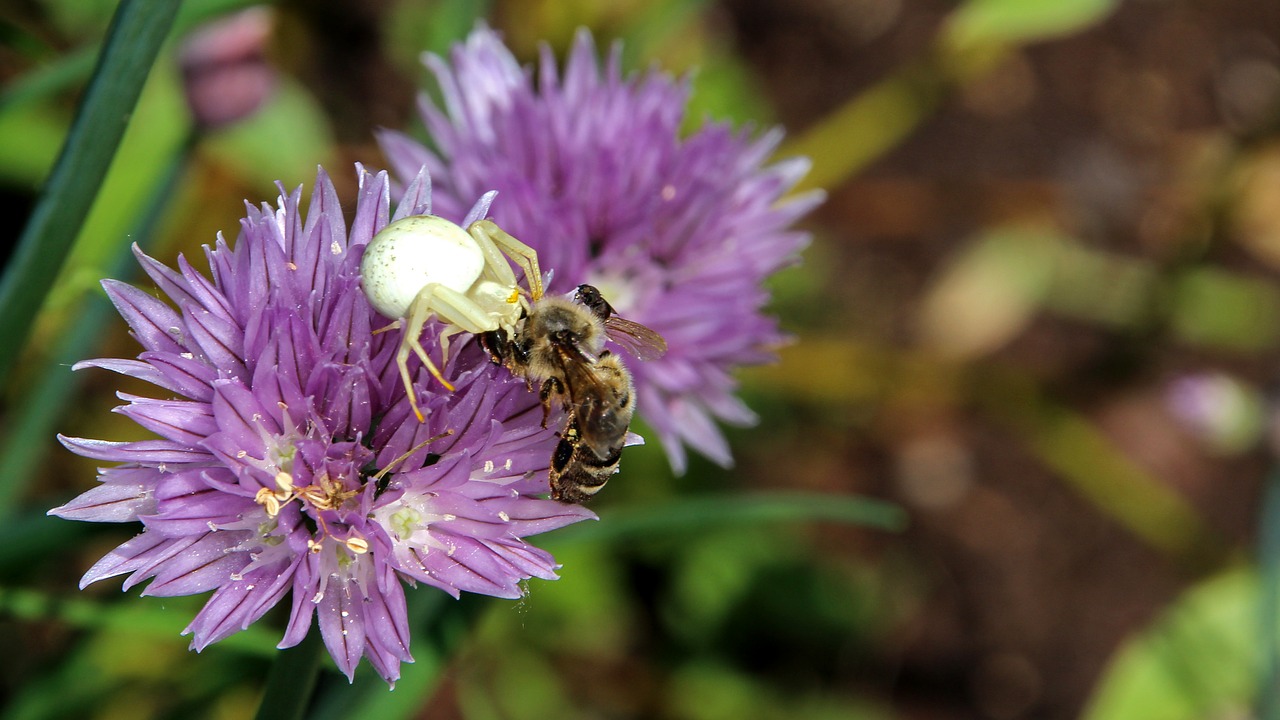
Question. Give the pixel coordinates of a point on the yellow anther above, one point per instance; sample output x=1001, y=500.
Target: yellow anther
x=267, y=500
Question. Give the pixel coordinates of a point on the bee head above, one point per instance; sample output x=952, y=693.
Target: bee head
x=569, y=328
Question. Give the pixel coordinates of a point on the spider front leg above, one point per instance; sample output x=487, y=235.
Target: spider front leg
x=494, y=242
x=460, y=313
x=419, y=310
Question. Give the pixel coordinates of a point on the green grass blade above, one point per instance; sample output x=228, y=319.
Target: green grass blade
x=36, y=413
x=1269, y=600
x=48, y=79
x=133, y=41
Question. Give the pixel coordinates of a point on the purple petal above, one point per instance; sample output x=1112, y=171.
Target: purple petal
x=236, y=605
x=185, y=423
x=109, y=502
x=205, y=565
x=154, y=324
x=128, y=557
x=154, y=452
x=219, y=340
x=341, y=619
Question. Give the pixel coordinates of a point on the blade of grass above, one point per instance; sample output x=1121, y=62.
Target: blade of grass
x=48, y=79
x=1088, y=461
x=31, y=434
x=867, y=126
x=133, y=42
x=1269, y=600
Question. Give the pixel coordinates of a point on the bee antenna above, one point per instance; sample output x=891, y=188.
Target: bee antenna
x=410, y=451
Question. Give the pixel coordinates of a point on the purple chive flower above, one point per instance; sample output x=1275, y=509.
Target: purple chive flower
x=288, y=464
x=678, y=233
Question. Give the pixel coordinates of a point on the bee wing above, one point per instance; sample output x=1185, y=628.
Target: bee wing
x=582, y=382
x=635, y=338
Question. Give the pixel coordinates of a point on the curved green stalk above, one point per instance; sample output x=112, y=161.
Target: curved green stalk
x=133, y=41
x=293, y=679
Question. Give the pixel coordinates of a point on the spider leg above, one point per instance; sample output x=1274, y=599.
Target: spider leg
x=457, y=311
x=419, y=310
x=391, y=326
x=448, y=332
x=494, y=242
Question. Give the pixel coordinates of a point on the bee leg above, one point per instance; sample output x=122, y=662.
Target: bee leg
x=544, y=394
x=550, y=386
x=493, y=345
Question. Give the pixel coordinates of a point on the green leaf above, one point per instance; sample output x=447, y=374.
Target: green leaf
x=1196, y=661
x=1217, y=308
x=1014, y=22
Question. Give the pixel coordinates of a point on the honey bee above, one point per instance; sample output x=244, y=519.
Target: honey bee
x=560, y=344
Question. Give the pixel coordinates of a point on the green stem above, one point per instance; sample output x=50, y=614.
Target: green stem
x=868, y=126
x=133, y=42
x=292, y=679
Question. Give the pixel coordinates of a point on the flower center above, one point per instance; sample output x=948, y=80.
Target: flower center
x=326, y=493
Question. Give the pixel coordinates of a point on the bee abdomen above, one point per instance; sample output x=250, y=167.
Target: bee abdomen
x=577, y=473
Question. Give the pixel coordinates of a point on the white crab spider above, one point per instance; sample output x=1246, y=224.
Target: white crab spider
x=424, y=265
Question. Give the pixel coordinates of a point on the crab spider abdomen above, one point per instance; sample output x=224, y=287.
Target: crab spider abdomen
x=413, y=252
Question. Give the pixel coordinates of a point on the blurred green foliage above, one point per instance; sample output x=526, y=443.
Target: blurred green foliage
x=1197, y=660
